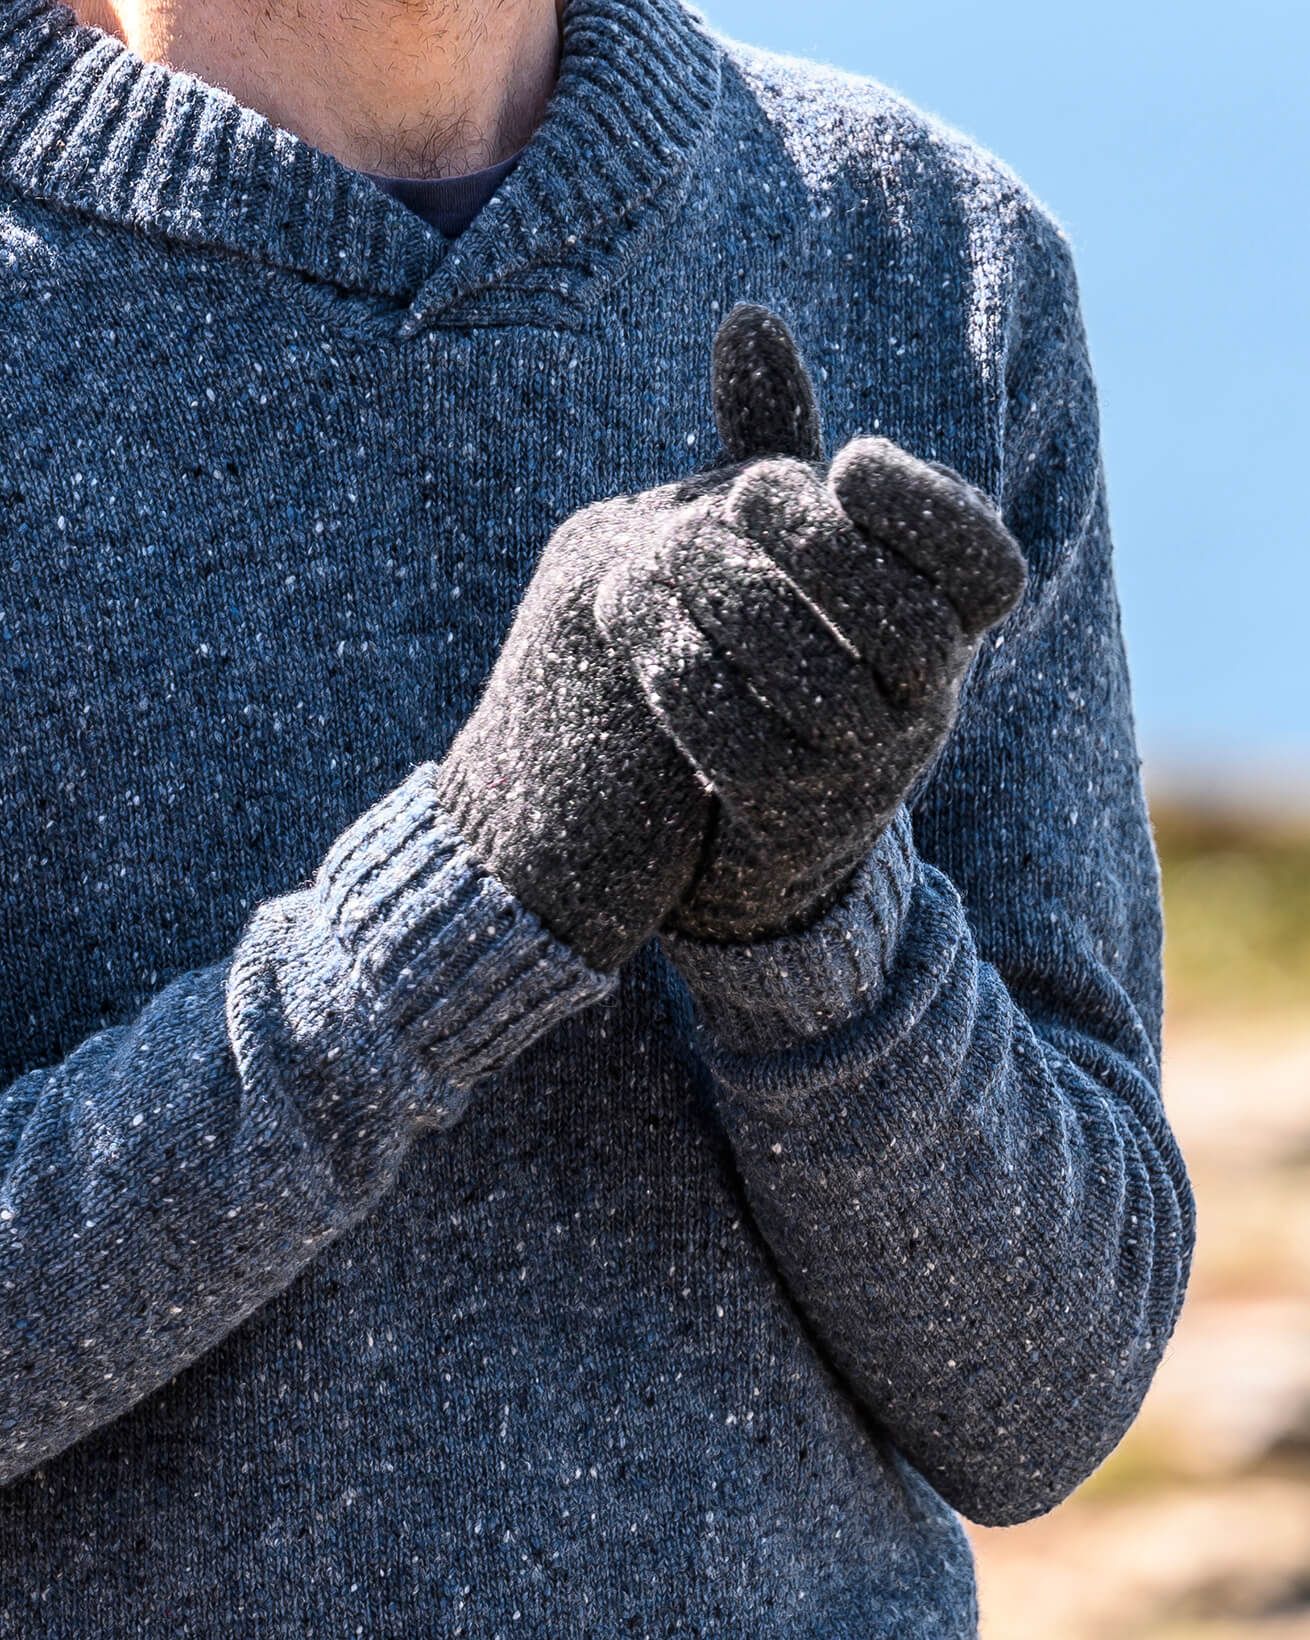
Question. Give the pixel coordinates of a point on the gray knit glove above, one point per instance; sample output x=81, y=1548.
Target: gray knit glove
x=562, y=781
x=803, y=638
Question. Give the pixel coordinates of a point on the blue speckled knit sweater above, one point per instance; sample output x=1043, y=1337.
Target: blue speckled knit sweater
x=368, y=1265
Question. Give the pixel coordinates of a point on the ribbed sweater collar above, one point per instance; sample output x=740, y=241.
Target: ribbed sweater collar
x=87, y=124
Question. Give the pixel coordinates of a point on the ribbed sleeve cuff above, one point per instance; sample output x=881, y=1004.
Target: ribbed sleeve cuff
x=444, y=950
x=769, y=994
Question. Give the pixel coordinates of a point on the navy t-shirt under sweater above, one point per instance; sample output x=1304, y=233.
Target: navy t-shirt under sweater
x=368, y=1264
x=447, y=204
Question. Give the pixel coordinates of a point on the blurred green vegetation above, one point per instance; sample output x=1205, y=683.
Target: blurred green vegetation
x=1237, y=909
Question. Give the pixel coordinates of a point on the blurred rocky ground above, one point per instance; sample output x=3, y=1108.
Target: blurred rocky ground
x=1198, y=1527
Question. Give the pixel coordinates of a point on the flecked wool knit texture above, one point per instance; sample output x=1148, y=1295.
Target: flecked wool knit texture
x=370, y=1264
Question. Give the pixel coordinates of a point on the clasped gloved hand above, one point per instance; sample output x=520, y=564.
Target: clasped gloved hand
x=802, y=636
x=716, y=693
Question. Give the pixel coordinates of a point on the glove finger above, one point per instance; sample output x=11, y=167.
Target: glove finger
x=776, y=637
x=741, y=742
x=764, y=401
x=946, y=529
x=900, y=624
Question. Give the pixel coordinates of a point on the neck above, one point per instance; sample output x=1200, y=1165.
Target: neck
x=408, y=87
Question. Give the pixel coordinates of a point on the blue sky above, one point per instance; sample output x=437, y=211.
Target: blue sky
x=1173, y=142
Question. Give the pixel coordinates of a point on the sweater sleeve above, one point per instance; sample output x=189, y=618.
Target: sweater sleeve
x=174, y=1173
x=944, y=1097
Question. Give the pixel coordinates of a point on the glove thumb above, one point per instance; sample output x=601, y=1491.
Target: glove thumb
x=764, y=401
